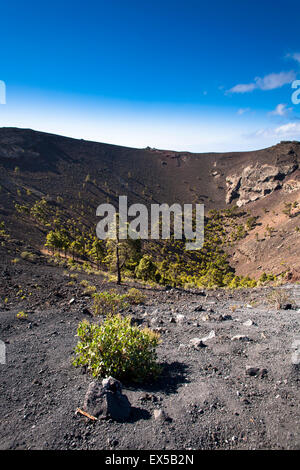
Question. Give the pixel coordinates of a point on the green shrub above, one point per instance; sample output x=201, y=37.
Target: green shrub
x=146, y=269
x=108, y=302
x=118, y=349
x=89, y=289
x=278, y=297
x=28, y=256
x=22, y=315
x=266, y=278
x=135, y=296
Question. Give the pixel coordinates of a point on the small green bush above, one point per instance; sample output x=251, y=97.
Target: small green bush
x=89, y=289
x=278, y=297
x=108, y=302
x=28, y=256
x=22, y=315
x=118, y=349
x=135, y=296
x=146, y=269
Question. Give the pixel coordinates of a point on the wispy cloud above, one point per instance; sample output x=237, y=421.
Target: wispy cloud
x=243, y=88
x=280, y=110
x=291, y=130
x=243, y=111
x=269, y=82
x=295, y=56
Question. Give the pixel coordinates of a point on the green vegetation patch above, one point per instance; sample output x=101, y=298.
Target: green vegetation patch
x=118, y=349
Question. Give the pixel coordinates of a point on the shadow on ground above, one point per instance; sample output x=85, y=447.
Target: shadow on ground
x=172, y=376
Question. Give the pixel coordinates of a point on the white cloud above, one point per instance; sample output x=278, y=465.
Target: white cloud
x=275, y=80
x=289, y=131
x=243, y=88
x=295, y=56
x=280, y=110
x=269, y=82
x=243, y=111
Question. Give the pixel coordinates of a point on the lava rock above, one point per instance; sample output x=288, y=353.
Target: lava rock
x=197, y=343
x=287, y=306
x=106, y=401
x=241, y=338
x=199, y=308
x=252, y=371
x=86, y=311
x=225, y=317
x=256, y=371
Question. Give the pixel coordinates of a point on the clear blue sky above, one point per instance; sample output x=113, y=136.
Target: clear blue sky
x=187, y=74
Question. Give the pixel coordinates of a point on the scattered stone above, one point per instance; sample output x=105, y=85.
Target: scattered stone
x=240, y=338
x=106, y=401
x=71, y=301
x=134, y=321
x=160, y=415
x=263, y=373
x=86, y=311
x=249, y=306
x=211, y=335
x=296, y=357
x=199, y=308
x=296, y=343
x=287, y=306
x=205, y=317
x=252, y=371
x=225, y=317
x=246, y=401
x=148, y=397
x=197, y=343
x=180, y=318
x=256, y=371
x=248, y=323
x=202, y=292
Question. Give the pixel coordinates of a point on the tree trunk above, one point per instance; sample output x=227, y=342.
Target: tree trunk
x=118, y=265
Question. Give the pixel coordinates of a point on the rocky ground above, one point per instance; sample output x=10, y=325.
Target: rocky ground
x=228, y=379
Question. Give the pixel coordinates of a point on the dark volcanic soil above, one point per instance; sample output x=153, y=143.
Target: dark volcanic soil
x=211, y=402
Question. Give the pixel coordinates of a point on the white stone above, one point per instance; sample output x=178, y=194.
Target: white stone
x=211, y=335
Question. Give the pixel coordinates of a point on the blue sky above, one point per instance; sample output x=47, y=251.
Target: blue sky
x=183, y=75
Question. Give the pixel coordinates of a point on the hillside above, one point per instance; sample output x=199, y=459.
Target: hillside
x=75, y=176
x=228, y=358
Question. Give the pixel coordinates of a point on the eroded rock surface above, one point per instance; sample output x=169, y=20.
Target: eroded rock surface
x=256, y=181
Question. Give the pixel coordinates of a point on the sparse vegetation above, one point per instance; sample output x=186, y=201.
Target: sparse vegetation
x=22, y=315
x=109, y=302
x=118, y=349
x=26, y=255
x=135, y=296
x=278, y=298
